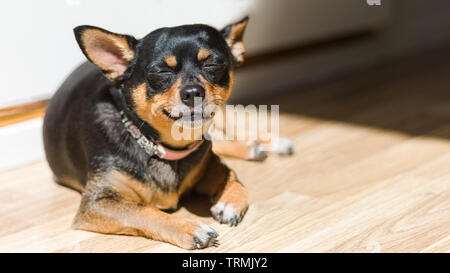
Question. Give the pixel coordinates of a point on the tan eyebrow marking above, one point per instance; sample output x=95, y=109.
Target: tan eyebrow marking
x=171, y=61
x=203, y=53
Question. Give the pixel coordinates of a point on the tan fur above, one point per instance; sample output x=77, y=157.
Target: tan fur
x=234, y=41
x=202, y=54
x=93, y=38
x=171, y=61
x=237, y=30
x=238, y=49
x=217, y=94
x=194, y=175
x=136, y=191
x=150, y=110
x=234, y=193
x=221, y=183
x=130, y=218
x=237, y=149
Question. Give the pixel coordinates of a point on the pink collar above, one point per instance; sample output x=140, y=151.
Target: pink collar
x=153, y=147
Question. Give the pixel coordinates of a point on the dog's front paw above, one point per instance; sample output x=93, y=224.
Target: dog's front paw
x=197, y=235
x=228, y=213
x=205, y=236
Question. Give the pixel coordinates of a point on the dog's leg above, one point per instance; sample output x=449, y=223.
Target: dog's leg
x=251, y=146
x=253, y=150
x=105, y=210
x=243, y=149
x=247, y=150
x=229, y=197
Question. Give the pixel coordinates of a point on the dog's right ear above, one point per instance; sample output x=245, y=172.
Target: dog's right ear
x=111, y=52
x=233, y=34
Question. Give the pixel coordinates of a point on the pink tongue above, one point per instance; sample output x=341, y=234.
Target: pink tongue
x=176, y=155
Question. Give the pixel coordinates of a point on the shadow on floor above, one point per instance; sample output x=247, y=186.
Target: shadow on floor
x=197, y=204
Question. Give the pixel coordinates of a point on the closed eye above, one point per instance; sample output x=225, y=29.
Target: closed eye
x=211, y=65
x=165, y=71
x=161, y=70
x=212, y=62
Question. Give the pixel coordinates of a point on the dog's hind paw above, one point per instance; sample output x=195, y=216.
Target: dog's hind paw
x=282, y=146
x=257, y=152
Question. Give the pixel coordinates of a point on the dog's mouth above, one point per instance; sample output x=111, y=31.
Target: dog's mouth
x=189, y=116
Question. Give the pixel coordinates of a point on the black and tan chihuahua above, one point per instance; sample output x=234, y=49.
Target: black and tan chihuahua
x=108, y=131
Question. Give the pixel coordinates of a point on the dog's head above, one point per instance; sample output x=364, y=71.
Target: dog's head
x=172, y=76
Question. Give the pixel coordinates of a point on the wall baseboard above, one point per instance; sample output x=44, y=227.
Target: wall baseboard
x=21, y=143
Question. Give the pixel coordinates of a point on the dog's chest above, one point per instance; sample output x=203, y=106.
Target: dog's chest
x=165, y=181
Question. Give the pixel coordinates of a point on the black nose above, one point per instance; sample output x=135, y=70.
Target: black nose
x=189, y=92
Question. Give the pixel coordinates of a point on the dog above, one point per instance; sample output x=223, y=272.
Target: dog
x=108, y=131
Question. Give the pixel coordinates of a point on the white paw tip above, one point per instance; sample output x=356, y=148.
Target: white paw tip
x=229, y=213
x=217, y=208
x=257, y=152
x=205, y=236
x=282, y=146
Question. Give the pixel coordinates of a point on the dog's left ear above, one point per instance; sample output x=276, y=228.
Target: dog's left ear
x=233, y=35
x=110, y=52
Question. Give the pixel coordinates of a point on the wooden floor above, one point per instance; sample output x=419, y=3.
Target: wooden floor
x=371, y=173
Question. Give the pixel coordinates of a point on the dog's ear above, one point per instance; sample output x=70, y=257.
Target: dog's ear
x=233, y=35
x=111, y=52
